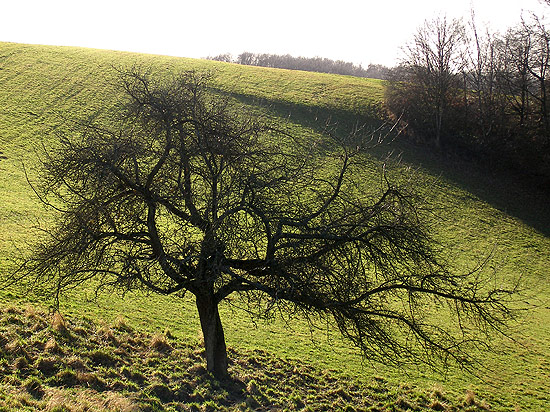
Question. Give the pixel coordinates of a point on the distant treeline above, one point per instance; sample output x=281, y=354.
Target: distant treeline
x=311, y=64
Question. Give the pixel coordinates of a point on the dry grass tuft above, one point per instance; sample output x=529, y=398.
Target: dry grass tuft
x=22, y=401
x=107, y=334
x=89, y=379
x=88, y=400
x=438, y=393
x=401, y=402
x=200, y=339
x=32, y=313
x=76, y=363
x=58, y=401
x=34, y=388
x=48, y=366
x=252, y=387
x=160, y=343
x=12, y=310
x=437, y=405
x=14, y=347
x=470, y=398
x=21, y=363
x=120, y=324
x=197, y=369
x=80, y=331
x=117, y=402
x=52, y=346
x=58, y=323
x=168, y=334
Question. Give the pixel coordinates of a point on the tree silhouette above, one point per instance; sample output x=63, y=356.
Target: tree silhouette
x=429, y=78
x=185, y=190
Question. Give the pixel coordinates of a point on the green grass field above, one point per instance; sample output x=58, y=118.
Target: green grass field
x=480, y=213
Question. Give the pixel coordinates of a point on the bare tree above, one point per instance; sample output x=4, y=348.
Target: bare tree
x=186, y=191
x=247, y=58
x=524, y=77
x=377, y=71
x=482, y=70
x=431, y=68
x=224, y=57
x=514, y=79
x=539, y=69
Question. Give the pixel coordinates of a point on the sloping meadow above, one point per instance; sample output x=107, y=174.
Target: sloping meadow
x=54, y=363
x=43, y=88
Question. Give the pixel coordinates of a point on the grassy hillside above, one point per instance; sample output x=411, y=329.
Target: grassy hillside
x=481, y=213
x=51, y=363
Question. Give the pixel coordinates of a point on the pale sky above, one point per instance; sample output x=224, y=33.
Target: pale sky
x=362, y=32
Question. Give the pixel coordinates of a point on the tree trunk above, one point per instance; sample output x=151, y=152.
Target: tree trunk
x=214, y=340
x=438, y=126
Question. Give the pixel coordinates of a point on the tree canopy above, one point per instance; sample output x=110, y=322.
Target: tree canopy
x=183, y=189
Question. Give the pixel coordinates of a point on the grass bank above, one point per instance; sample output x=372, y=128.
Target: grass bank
x=479, y=214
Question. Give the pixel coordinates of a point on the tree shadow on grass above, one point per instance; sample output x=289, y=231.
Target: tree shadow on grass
x=522, y=197
x=526, y=198
x=318, y=117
